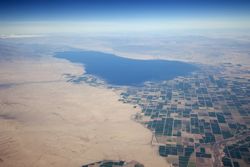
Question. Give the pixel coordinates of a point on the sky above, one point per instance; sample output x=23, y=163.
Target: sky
x=51, y=16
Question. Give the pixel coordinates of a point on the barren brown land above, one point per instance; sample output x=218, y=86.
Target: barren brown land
x=46, y=121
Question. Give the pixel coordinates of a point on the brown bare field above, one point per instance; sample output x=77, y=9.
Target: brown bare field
x=46, y=121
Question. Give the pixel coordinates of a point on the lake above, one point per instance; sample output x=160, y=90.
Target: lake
x=122, y=71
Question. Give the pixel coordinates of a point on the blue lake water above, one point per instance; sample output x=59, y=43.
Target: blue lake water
x=117, y=70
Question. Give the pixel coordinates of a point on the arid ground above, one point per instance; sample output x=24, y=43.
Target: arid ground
x=46, y=121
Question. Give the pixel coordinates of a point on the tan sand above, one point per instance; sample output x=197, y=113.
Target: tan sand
x=45, y=121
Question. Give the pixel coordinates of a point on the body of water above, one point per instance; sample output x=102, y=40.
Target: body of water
x=117, y=70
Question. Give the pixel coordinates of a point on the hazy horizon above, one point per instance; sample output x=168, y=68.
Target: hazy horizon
x=53, y=17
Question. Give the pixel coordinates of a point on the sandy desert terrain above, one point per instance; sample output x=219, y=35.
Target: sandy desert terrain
x=46, y=121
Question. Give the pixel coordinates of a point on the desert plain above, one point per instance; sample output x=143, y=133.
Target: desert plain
x=47, y=121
